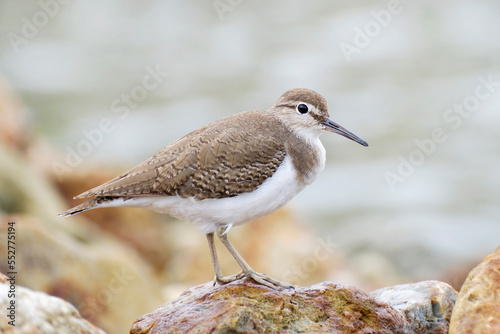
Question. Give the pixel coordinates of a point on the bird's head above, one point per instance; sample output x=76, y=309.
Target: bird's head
x=306, y=113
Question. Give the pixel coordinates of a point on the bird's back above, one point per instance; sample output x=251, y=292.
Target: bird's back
x=222, y=159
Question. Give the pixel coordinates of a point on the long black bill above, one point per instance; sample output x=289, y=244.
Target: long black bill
x=334, y=127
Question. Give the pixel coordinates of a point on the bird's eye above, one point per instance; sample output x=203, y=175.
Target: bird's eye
x=302, y=108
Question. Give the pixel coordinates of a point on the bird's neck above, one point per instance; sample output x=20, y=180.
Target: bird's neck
x=308, y=156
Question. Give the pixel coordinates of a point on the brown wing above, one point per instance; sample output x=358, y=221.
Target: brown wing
x=222, y=159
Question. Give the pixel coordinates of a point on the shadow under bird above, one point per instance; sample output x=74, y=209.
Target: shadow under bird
x=230, y=172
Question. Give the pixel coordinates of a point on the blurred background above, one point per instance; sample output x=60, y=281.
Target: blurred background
x=88, y=91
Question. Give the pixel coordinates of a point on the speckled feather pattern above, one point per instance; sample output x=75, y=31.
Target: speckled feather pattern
x=215, y=161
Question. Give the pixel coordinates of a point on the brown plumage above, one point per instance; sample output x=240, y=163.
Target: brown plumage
x=225, y=158
x=215, y=161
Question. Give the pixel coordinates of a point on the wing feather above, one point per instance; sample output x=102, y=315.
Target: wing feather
x=215, y=161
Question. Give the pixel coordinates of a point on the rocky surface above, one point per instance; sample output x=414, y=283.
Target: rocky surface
x=245, y=307
x=426, y=305
x=99, y=277
x=37, y=313
x=478, y=304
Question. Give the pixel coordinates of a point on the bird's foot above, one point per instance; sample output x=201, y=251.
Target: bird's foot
x=257, y=277
x=221, y=280
x=268, y=281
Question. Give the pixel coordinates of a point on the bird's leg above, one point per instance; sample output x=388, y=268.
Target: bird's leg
x=247, y=271
x=219, y=278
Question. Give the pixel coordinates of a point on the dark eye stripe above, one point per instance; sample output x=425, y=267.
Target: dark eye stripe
x=319, y=118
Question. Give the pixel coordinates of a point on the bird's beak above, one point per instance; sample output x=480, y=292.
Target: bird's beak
x=334, y=127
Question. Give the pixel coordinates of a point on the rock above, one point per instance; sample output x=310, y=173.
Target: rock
x=3, y=278
x=246, y=307
x=98, y=276
x=37, y=312
x=478, y=304
x=426, y=305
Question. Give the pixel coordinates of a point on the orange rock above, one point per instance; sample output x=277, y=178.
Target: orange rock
x=246, y=307
x=478, y=305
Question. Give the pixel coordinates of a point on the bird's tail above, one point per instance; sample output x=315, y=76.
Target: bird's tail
x=93, y=203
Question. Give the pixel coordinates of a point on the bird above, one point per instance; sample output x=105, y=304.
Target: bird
x=230, y=172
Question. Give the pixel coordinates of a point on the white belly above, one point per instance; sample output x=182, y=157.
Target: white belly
x=274, y=193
